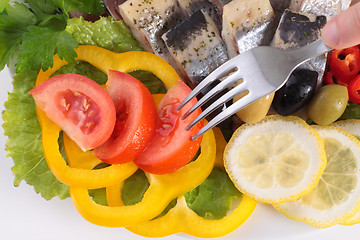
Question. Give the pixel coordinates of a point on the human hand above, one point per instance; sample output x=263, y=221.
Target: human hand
x=343, y=30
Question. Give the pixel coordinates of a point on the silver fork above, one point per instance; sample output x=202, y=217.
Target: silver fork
x=257, y=72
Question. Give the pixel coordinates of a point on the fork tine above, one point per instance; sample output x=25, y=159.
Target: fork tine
x=215, y=75
x=218, y=88
x=232, y=109
x=223, y=99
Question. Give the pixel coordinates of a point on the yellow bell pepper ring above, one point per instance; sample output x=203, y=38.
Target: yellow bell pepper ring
x=182, y=219
x=162, y=190
x=104, y=60
x=72, y=176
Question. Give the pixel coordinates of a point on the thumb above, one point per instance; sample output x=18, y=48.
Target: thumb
x=343, y=30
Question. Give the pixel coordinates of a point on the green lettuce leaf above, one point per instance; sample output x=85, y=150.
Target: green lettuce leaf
x=352, y=111
x=134, y=188
x=107, y=33
x=24, y=143
x=213, y=198
x=21, y=125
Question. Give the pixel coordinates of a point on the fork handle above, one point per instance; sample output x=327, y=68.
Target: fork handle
x=309, y=51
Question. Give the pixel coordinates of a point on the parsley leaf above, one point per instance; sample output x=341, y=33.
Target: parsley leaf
x=21, y=13
x=92, y=6
x=11, y=32
x=67, y=5
x=39, y=46
x=3, y=4
x=34, y=30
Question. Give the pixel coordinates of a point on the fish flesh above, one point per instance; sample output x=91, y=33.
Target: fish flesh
x=247, y=24
x=149, y=20
x=320, y=7
x=192, y=6
x=296, y=29
x=279, y=7
x=196, y=46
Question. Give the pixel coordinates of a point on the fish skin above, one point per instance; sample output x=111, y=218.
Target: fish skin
x=196, y=46
x=320, y=7
x=247, y=24
x=298, y=29
x=148, y=20
x=191, y=6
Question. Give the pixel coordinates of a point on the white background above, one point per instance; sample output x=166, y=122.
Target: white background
x=26, y=215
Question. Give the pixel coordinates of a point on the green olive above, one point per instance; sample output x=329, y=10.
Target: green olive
x=328, y=104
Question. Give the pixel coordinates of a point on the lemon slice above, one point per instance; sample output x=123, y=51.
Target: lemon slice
x=276, y=160
x=352, y=126
x=336, y=197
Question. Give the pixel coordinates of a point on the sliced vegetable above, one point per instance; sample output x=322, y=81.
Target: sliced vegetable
x=354, y=90
x=105, y=60
x=24, y=143
x=162, y=190
x=171, y=148
x=124, y=62
x=135, y=119
x=81, y=107
x=330, y=78
x=345, y=63
x=73, y=175
x=182, y=219
x=212, y=199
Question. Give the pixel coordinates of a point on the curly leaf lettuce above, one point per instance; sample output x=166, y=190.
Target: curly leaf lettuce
x=24, y=143
x=21, y=126
x=107, y=33
x=213, y=198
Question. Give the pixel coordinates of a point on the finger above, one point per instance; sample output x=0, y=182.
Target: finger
x=343, y=30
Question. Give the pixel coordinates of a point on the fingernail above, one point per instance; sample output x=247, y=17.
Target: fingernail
x=330, y=34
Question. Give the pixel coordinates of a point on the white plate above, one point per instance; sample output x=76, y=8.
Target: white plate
x=26, y=215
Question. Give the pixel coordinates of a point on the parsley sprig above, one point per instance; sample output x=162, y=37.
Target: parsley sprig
x=34, y=30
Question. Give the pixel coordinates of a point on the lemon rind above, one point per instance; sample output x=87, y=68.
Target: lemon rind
x=306, y=187
x=288, y=210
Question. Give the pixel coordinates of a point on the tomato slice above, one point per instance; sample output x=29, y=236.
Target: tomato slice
x=136, y=116
x=171, y=147
x=79, y=106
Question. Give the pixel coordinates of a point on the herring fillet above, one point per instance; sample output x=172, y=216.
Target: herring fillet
x=196, y=46
x=192, y=6
x=320, y=7
x=148, y=20
x=247, y=24
x=296, y=29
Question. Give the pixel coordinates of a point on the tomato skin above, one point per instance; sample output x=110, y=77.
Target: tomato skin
x=345, y=63
x=79, y=106
x=136, y=119
x=171, y=147
x=354, y=90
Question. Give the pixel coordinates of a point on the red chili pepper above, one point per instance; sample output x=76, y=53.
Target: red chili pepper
x=345, y=63
x=330, y=78
x=354, y=90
